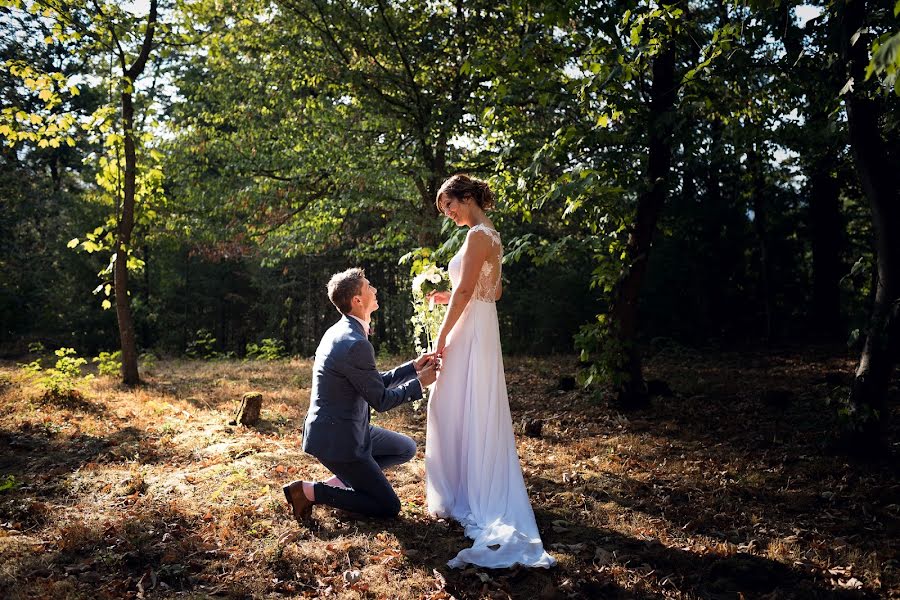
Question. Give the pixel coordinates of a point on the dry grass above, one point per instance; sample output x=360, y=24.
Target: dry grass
x=711, y=493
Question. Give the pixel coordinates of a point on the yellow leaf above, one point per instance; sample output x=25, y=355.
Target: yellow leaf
x=72, y=243
x=106, y=305
x=73, y=90
x=43, y=144
x=70, y=142
x=35, y=119
x=45, y=95
x=48, y=40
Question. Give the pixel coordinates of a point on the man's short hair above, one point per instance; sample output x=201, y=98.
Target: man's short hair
x=343, y=286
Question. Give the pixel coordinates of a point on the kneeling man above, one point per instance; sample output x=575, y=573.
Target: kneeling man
x=337, y=430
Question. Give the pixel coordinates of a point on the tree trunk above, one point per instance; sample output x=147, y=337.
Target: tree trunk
x=125, y=227
x=436, y=160
x=868, y=411
x=624, y=313
x=123, y=242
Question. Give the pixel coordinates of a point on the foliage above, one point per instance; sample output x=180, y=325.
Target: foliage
x=148, y=361
x=886, y=60
x=268, y=349
x=109, y=363
x=61, y=382
x=7, y=483
x=602, y=355
x=886, y=57
x=203, y=345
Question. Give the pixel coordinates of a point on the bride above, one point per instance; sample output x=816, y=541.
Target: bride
x=472, y=469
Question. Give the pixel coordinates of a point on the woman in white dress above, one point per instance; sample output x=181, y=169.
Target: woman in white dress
x=472, y=469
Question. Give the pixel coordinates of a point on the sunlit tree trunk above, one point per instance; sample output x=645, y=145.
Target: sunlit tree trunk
x=122, y=247
x=125, y=227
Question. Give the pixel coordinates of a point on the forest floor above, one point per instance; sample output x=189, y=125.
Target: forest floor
x=724, y=490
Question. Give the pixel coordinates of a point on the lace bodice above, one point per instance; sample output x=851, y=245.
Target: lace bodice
x=488, y=283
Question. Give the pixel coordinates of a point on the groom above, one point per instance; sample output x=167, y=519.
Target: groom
x=337, y=431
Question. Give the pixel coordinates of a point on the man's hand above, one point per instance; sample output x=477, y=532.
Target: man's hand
x=428, y=374
x=424, y=360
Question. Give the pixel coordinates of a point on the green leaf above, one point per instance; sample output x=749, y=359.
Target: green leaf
x=8, y=483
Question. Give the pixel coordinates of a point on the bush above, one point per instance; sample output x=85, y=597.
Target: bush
x=268, y=349
x=203, y=345
x=148, y=361
x=61, y=381
x=109, y=363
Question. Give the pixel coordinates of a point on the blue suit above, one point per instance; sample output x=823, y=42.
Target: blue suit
x=337, y=429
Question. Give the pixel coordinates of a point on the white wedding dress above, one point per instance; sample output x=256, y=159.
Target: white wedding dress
x=472, y=469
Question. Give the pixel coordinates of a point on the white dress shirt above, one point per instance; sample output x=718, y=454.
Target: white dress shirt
x=363, y=323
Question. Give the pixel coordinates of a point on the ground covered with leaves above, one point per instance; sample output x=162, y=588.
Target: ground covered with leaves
x=724, y=489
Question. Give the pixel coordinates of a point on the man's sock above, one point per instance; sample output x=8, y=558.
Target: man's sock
x=309, y=490
x=335, y=481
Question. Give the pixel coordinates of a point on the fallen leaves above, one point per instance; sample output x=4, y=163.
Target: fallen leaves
x=648, y=504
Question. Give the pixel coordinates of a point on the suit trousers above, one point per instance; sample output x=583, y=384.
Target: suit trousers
x=371, y=493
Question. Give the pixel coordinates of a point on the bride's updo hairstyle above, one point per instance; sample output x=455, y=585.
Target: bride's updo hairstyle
x=460, y=186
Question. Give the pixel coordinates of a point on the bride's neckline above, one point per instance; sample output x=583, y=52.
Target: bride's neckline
x=482, y=226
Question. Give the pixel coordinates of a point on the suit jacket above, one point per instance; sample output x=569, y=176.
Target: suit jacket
x=345, y=384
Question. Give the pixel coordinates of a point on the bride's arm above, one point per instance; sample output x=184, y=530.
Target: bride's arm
x=478, y=245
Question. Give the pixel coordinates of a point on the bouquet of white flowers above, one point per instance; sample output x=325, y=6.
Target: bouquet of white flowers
x=428, y=316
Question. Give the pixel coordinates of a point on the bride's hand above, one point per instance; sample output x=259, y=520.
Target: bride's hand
x=438, y=297
x=440, y=345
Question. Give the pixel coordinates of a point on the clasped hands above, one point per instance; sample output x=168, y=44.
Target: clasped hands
x=427, y=367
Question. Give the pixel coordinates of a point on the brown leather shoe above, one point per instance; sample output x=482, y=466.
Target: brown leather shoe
x=297, y=500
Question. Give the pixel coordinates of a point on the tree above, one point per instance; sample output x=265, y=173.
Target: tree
x=348, y=115
x=610, y=167
x=129, y=40
x=867, y=403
